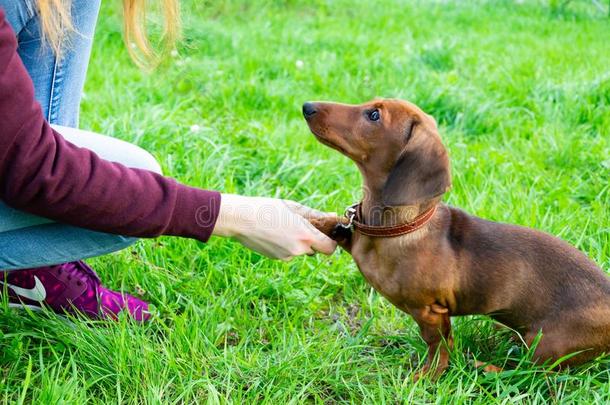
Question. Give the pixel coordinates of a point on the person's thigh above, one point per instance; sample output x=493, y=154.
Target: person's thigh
x=55, y=243
x=58, y=81
x=11, y=219
x=29, y=241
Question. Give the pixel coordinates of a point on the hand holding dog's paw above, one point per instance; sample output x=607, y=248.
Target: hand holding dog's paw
x=270, y=226
x=329, y=223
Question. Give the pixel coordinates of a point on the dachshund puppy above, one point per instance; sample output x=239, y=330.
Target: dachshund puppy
x=434, y=261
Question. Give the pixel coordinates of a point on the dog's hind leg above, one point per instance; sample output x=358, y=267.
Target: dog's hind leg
x=573, y=340
x=488, y=368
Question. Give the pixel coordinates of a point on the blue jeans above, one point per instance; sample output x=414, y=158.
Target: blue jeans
x=58, y=83
x=27, y=240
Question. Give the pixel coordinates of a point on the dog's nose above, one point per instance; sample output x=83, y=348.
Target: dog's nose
x=309, y=109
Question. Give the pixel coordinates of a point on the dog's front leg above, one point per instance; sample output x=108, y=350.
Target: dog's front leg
x=435, y=328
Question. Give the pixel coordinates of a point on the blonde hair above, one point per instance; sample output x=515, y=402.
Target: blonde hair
x=57, y=24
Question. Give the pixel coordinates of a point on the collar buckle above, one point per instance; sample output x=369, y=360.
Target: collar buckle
x=350, y=213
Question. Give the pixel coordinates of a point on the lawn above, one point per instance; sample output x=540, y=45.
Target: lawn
x=521, y=92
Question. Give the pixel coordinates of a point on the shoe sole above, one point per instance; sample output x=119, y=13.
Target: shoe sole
x=22, y=306
x=40, y=309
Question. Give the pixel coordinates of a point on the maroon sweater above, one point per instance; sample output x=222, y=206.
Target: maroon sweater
x=43, y=174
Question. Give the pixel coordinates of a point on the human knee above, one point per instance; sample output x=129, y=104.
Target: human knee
x=112, y=149
x=142, y=159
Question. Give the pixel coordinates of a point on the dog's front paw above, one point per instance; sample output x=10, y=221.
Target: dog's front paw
x=341, y=233
x=334, y=227
x=432, y=373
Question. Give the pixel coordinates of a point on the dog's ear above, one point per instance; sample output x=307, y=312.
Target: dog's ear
x=420, y=173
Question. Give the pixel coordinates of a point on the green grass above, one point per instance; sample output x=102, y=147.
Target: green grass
x=522, y=96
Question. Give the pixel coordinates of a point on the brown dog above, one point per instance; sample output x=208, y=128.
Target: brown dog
x=434, y=261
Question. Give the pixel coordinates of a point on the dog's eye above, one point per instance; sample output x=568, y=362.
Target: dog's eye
x=373, y=115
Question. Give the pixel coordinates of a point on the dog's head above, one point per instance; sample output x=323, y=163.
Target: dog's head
x=394, y=143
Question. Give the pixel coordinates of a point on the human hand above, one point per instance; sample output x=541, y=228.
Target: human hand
x=270, y=226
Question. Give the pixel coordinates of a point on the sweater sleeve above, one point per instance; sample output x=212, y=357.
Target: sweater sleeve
x=43, y=174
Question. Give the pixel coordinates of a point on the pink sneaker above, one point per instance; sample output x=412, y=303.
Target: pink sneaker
x=70, y=287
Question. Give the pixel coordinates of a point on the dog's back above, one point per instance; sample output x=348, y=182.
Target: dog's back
x=533, y=265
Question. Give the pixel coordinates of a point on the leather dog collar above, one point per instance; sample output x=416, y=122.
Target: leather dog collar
x=353, y=215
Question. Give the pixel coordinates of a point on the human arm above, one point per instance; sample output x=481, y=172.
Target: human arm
x=43, y=174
